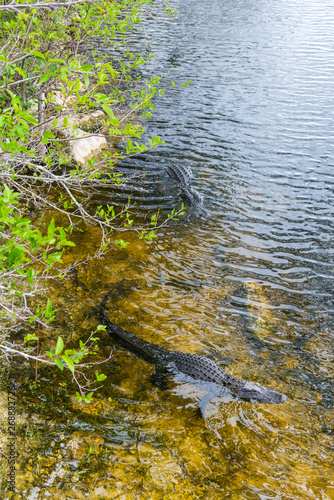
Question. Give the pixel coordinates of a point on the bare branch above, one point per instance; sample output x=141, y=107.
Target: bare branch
x=41, y=5
x=25, y=355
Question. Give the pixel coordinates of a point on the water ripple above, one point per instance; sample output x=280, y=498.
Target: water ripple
x=256, y=128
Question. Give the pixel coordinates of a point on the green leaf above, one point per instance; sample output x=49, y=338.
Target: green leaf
x=30, y=336
x=59, y=363
x=54, y=257
x=88, y=398
x=31, y=119
x=108, y=110
x=87, y=67
x=122, y=243
x=69, y=362
x=48, y=309
x=16, y=254
x=62, y=233
x=56, y=60
x=79, y=398
x=59, y=346
x=21, y=72
x=70, y=352
x=46, y=135
x=51, y=228
x=44, y=78
x=39, y=56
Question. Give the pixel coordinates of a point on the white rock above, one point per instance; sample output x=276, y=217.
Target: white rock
x=86, y=147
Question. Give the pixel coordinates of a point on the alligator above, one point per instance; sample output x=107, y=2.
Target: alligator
x=197, y=367
x=189, y=195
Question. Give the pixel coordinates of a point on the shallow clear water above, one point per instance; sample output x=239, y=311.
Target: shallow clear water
x=252, y=285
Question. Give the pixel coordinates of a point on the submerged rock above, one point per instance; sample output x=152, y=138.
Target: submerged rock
x=81, y=443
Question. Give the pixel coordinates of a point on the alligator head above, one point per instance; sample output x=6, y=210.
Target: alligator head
x=255, y=392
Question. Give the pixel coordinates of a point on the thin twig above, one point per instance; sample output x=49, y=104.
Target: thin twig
x=37, y=351
x=42, y=5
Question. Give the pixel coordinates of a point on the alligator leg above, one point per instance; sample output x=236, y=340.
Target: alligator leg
x=204, y=401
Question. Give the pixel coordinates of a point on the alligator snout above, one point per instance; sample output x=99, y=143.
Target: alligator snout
x=255, y=392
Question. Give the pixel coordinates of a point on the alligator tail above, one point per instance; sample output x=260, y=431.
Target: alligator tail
x=181, y=174
x=145, y=350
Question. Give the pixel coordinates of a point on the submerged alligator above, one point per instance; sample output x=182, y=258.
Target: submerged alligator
x=190, y=196
x=193, y=365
